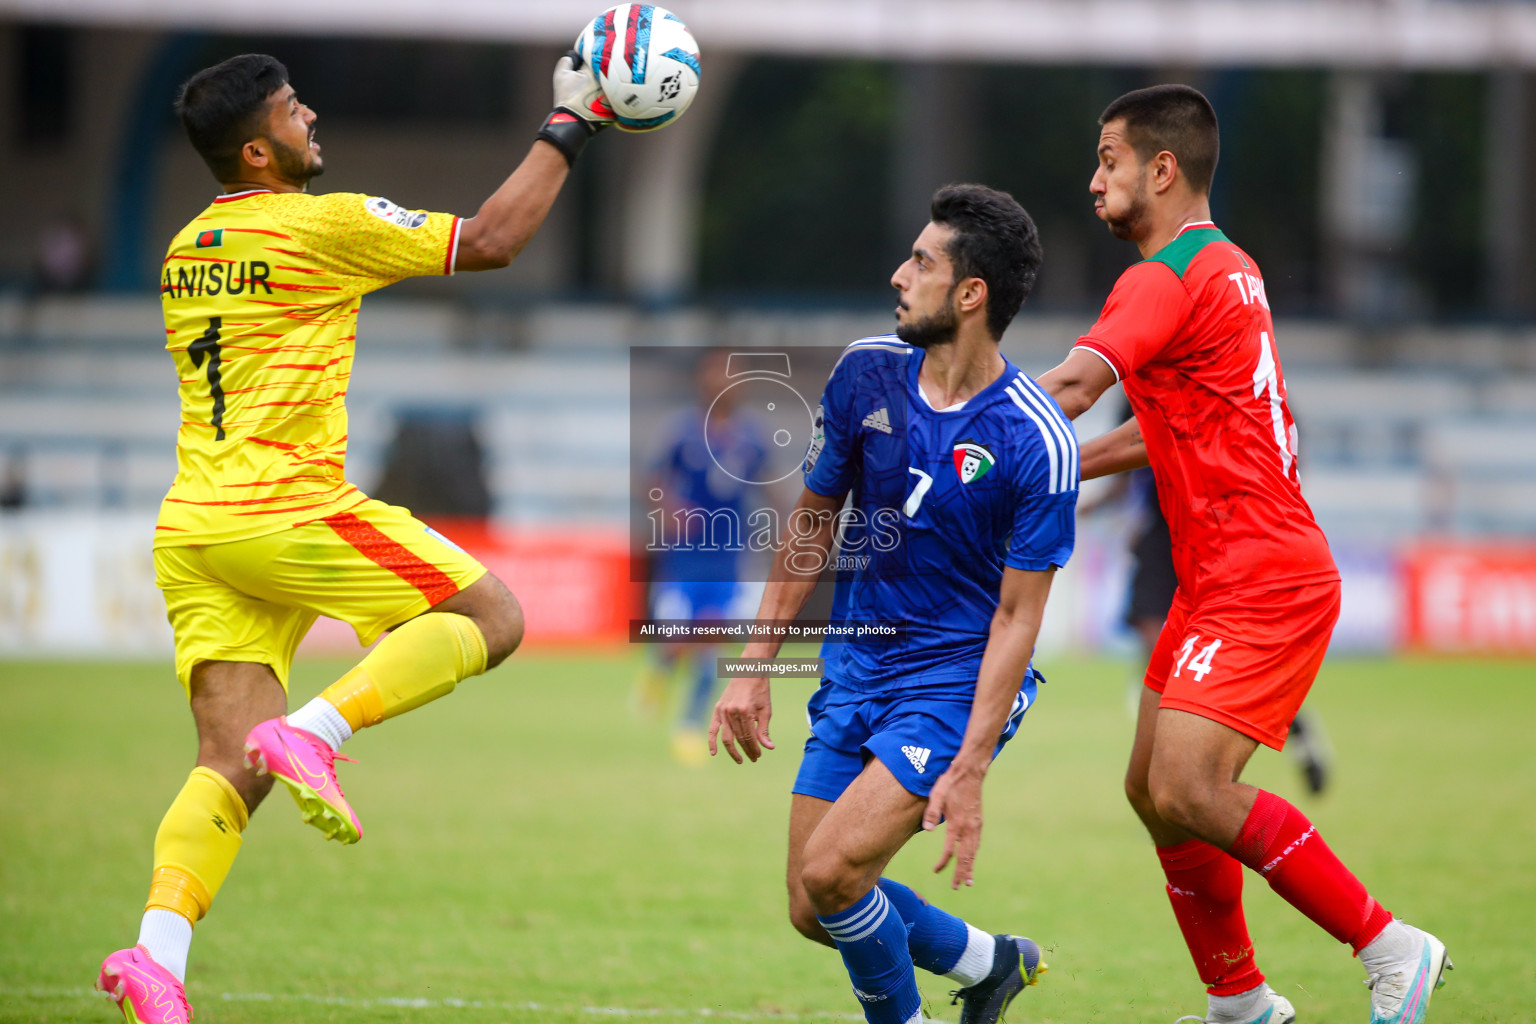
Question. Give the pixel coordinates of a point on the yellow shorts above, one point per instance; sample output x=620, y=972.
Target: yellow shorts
x=373, y=567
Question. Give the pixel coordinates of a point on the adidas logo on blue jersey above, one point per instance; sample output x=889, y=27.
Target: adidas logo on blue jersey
x=879, y=420
x=918, y=756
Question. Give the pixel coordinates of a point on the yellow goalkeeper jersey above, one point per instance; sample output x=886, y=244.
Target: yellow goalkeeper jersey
x=261, y=293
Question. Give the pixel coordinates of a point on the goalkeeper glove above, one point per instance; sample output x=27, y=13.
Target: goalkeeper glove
x=581, y=109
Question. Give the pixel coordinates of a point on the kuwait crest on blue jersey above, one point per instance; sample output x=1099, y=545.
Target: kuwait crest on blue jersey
x=972, y=461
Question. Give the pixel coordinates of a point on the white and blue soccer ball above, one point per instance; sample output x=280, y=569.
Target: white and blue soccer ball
x=647, y=64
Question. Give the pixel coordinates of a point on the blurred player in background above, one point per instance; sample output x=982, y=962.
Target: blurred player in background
x=964, y=482
x=1155, y=582
x=261, y=532
x=1188, y=334
x=713, y=454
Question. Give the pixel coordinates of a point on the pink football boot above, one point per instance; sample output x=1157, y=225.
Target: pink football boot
x=146, y=992
x=306, y=764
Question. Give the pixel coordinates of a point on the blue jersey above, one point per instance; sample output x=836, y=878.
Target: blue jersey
x=943, y=499
x=708, y=477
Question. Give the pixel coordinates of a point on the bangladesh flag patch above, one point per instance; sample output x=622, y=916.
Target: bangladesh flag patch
x=972, y=461
x=211, y=239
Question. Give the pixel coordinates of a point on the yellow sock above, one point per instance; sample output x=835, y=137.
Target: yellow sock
x=196, y=845
x=419, y=662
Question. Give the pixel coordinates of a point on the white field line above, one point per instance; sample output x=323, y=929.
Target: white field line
x=401, y=1002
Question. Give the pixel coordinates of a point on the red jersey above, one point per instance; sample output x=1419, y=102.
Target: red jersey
x=1189, y=335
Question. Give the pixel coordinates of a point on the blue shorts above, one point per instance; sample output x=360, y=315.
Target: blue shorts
x=914, y=734
x=709, y=599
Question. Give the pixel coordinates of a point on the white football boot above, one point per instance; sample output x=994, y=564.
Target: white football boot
x=1400, y=990
x=1271, y=1008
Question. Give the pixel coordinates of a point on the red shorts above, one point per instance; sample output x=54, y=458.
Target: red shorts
x=1248, y=661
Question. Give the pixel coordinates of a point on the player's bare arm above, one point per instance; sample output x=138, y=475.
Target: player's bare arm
x=507, y=221
x=1108, y=496
x=745, y=707
x=1010, y=644
x=1076, y=384
x=1118, y=451
x=1078, y=381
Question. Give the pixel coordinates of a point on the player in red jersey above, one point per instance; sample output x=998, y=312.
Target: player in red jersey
x=1187, y=332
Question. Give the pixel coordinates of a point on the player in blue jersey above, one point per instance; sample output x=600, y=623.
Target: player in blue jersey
x=712, y=458
x=963, y=476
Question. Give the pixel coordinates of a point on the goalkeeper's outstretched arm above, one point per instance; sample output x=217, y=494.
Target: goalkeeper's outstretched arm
x=508, y=220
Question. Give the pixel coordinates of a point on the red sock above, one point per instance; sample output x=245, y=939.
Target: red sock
x=1205, y=887
x=1280, y=843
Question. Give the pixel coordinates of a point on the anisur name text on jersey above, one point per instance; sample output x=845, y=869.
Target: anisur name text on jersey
x=215, y=276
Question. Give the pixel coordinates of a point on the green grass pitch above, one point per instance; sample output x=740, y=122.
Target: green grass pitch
x=532, y=853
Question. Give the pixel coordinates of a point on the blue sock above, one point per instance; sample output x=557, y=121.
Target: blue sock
x=935, y=938
x=873, y=940
x=702, y=696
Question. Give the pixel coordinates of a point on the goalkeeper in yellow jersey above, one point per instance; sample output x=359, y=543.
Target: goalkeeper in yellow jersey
x=261, y=532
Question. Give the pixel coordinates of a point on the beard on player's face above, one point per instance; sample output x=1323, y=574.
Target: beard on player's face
x=294, y=165
x=937, y=328
x=1130, y=225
